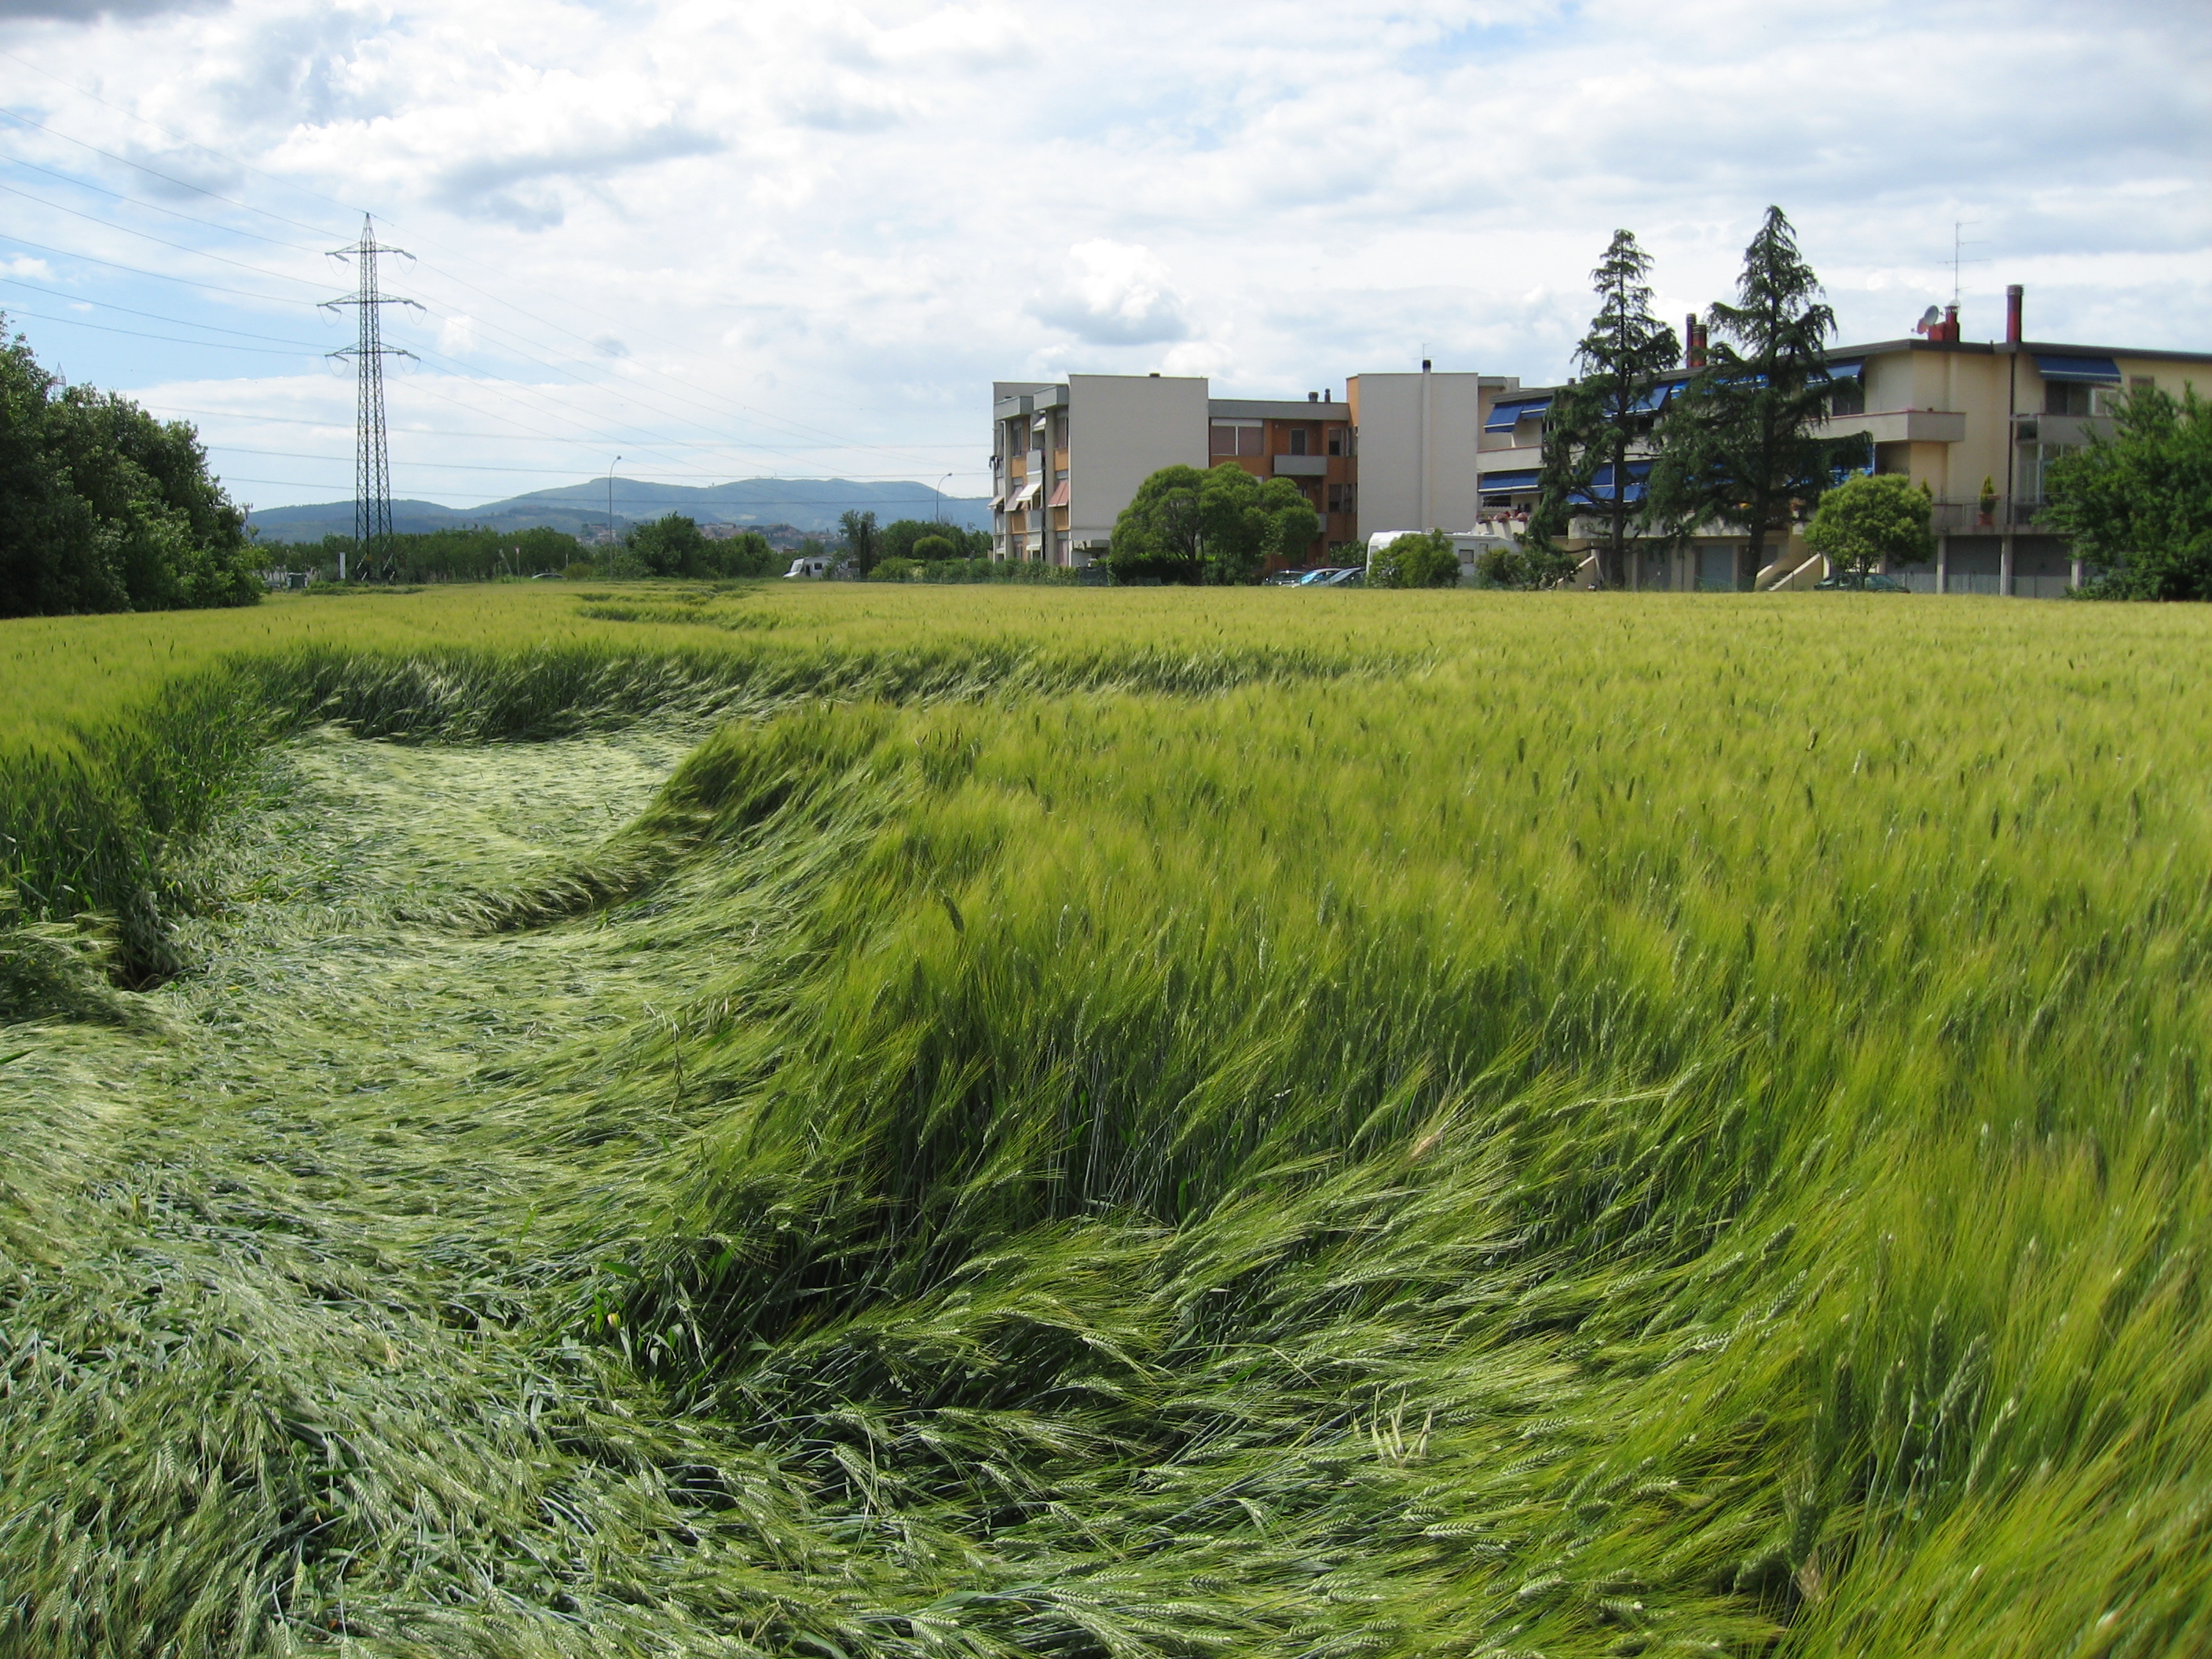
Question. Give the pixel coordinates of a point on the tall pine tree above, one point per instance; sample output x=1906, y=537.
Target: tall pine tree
x=1737, y=447
x=1605, y=416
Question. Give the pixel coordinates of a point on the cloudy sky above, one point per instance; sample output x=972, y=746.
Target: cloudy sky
x=799, y=238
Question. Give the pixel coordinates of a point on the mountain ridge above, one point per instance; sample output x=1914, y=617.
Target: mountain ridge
x=811, y=504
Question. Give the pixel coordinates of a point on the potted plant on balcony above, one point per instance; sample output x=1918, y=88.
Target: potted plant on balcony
x=1989, y=502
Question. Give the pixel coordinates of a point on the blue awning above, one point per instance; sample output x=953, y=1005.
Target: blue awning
x=1503, y=416
x=1655, y=399
x=1523, y=480
x=2101, y=371
x=1601, y=494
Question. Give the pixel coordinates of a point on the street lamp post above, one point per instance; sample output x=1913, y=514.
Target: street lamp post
x=611, y=499
x=939, y=488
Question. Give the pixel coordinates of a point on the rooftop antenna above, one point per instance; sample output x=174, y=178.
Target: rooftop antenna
x=1959, y=243
x=372, y=476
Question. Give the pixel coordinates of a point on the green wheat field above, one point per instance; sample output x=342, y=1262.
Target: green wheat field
x=970, y=1122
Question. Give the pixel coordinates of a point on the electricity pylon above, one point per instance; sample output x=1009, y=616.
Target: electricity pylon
x=372, y=472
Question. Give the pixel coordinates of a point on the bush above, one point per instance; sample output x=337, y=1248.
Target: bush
x=894, y=570
x=934, y=547
x=1418, y=559
x=1525, y=569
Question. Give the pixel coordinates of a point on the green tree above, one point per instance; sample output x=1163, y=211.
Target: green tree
x=1737, y=447
x=669, y=546
x=863, y=541
x=1605, y=416
x=103, y=508
x=1219, y=526
x=927, y=548
x=1865, y=522
x=2139, y=503
x=745, y=554
x=1418, y=559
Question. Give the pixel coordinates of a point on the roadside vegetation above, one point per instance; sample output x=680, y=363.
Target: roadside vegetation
x=881, y=1121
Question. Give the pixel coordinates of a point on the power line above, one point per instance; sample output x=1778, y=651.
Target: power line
x=155, y=207
x=158, y=276
x=155, y=316
x=171, y=340
x=181, y=247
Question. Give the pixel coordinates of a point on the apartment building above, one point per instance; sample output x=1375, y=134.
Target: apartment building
x=1978, y=423
x=1067, y=456
x=1418, y=438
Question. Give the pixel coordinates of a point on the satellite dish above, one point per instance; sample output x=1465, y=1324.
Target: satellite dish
x=1929, y=319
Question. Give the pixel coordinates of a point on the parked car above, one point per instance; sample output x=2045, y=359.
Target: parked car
x=1860, y=581
x=1346, y=575
x=1285, y=579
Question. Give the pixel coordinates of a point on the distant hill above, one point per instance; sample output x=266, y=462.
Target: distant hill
x=809, y=505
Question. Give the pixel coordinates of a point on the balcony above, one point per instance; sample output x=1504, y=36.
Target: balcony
x=1957, y=518
x=1900, y=426
x=1301, y=466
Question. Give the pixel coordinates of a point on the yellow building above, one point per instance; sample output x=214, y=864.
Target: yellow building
x=1978, y=422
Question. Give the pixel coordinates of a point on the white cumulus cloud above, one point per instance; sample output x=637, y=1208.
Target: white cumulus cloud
x=1114, y=294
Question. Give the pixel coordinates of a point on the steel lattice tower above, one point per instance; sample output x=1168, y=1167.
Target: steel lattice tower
x=372, y=476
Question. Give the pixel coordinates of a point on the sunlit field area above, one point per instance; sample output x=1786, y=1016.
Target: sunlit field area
x=988, y=1121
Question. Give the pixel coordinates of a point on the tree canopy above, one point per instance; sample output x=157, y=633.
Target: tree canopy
x=863, y=540
x=2139, y=503
x=1604, y=416
x=1218, y=526
x=1867, y=520
x=103, y=508
x=1737, y=445
x=1417, y=559
x=903, y=538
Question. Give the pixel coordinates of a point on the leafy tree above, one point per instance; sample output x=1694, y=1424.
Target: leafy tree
x=901, y=539
x=103, y=507
x=2139, y=503
x=1736, y=446
x=1867, y=520
x=1604, y=416
x=668, y=546
x=1418, y=559
x=748, y=553
x=1218, y=526
x=863, y=541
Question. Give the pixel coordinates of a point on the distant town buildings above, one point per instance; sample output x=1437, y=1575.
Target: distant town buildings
x=1463, y=452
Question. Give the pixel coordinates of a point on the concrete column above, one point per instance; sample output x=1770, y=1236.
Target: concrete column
x=2077, y=572
x=2004, y=565
x=1943, y=564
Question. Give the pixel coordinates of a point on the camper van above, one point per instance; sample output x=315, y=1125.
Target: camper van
x=816, y=567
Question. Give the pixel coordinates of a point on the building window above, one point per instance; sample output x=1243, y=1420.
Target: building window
x=1336, y=441
x=2066, y=398
x=1298, y=437
x=1344, y=498
x=1238, y=438
x=2142, y=382
x=1847, y=398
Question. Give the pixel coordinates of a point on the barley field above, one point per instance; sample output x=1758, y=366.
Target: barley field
x=977, y=1123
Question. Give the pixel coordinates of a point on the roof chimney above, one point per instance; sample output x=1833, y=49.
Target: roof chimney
x=1313, y=397
x=2012, y=313
x=1425, y=365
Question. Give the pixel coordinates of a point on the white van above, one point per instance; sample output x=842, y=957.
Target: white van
x=814, y=567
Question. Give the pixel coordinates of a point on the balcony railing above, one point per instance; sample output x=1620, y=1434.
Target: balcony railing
x=1956, y=518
